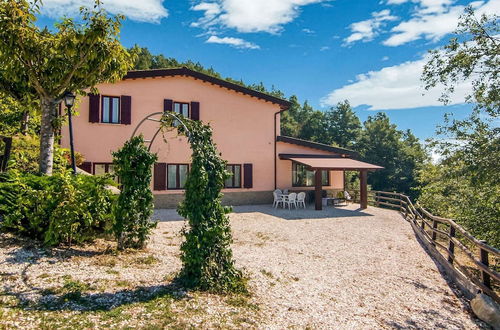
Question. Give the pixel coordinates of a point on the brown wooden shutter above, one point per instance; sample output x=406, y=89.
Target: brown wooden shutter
x=86, y=166
x=195, y=110
x=248, y=175
x=125, y=109
x=94, y=107
x=168, y=105
x=160, y=176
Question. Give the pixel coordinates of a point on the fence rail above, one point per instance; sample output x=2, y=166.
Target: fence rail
x=470, y=263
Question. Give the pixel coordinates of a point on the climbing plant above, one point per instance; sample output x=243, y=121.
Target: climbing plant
x=133, y=165
x=206, y=256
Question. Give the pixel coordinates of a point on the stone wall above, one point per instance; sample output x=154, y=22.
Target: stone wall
x=170, y=201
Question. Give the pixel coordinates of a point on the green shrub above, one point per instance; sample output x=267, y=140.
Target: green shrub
x=62, y=208
x=133, y=165
x=26, y=153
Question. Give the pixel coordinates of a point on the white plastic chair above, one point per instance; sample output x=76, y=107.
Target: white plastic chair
x=347, y=196
x=301, y=199
x=278, y=198
x=291, y=200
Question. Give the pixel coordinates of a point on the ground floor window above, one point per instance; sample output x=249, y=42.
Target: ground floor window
x=234, y=181
x=105, y=168
x=177, y=175
x=303, y=177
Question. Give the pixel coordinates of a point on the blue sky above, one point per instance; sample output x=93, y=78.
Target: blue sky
x=368, y=52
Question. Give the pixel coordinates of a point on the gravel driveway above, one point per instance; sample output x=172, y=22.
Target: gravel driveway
x=341, y=267
x=336, y=268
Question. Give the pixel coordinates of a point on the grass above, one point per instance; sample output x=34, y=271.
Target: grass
x=149, y=260
x=162, y=309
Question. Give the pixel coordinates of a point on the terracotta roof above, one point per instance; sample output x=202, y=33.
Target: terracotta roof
x=336, y=163
x=315, y=145
x=207, y=78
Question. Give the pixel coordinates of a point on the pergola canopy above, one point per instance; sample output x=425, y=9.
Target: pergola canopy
x=320, y=163
x=335, y=164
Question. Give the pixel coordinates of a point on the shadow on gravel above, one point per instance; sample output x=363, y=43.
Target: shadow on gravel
x=308, y=213
x=329, y=211
x=77, y=300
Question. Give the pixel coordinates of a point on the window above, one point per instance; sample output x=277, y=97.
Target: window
x=104, y=168
x=303, y=177
x=182, y=108
x=234, y=181
x=110, y=110
x=177, y=175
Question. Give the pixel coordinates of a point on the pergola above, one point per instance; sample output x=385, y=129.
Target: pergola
x=345, y=164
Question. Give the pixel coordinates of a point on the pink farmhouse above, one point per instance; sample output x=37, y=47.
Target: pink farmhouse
x=246, y=129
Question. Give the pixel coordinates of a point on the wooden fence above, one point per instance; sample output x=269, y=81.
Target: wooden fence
x=5, y=147
x=470, y=263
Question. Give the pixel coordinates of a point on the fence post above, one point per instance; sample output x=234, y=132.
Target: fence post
x=451, y=245
x=485, y=277
x=434, y=234
x=376, y=199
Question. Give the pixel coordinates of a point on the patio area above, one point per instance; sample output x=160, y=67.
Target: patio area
x=338, y=267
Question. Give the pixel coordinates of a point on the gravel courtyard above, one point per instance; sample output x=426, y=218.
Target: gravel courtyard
x=336, y=268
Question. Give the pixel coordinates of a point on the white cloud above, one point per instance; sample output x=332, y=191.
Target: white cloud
x=250, y=15
x=211, y=10
x=426, y=6
x=393, y=87
x=430, y=27
x=234, y=42
x=433, y=19
x=322, y=49
x=151, y=11
x=366, y=30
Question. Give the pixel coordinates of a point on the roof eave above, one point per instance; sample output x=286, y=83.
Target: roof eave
x=138, y=74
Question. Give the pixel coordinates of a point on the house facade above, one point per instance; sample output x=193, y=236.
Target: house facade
x=246, y=129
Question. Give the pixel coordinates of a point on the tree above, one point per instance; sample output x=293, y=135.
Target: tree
x=474, y=54
x=75, y=57
x=464, y=185
x=342, y=125
x=400, y=153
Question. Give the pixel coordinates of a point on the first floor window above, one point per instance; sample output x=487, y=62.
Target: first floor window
x=303, y=177
x=110, y=110
x=234, y=181
x=182, y=108
x=177, y=175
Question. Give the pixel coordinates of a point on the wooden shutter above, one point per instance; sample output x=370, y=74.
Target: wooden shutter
x=248, y=175
x=160, y=176
x=195, y=110
x=86, y=166
x=94, y=107
x=168, y=105
x=125, y=109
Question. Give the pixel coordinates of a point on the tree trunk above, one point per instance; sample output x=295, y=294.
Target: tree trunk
x=49, y=108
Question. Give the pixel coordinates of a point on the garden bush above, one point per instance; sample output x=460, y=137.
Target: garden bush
x=133, y=165
x=57, y=209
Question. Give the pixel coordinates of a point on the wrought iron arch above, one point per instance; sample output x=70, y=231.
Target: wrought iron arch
x=150, y=118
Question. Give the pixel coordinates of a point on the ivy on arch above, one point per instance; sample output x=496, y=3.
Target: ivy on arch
x=207, y=258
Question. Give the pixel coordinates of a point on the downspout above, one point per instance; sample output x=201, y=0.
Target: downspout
x=275, y=147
